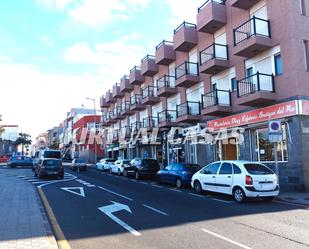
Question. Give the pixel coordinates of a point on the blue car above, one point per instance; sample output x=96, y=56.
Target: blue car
x=19, y=161
x=179, y=174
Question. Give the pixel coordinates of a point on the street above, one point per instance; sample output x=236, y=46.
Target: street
x=100, y=210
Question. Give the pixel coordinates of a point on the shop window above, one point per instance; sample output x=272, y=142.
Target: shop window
x=278, y=64
x=265, y=149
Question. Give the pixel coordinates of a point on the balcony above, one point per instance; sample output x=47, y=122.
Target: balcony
x=116, y=135
x=149, y=66
x=256, y=90
x=150, y=123
x=189, y=112
x=136, y=126
x=243, y=4
x=104, y=121
x=125, y=109
x=187, y=74
x=136, y=78
x=103, y=102
x=167, y=119
x=165, y=53
x=149, y=95
x=116, y=91
x=166, y=86
x=117, y=113
x=125, y=132
x=136, y=103
x=214, y=59
x=252, y=37
x=109, y=118
x=216, y=103
x=185, y=37
x=211, y=16
x=125, y=84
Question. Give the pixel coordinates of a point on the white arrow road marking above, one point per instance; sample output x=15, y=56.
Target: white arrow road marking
x=80, y=192
x=156, y=210
x=116, y=207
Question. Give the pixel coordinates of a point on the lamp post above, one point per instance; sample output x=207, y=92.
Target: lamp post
x=94, y=123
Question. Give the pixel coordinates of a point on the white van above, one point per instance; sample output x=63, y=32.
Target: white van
x=45, y=154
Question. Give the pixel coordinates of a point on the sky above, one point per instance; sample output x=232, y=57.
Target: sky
x=56, y=53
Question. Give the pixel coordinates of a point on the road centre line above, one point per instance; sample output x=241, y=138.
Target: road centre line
x=112, y=192
x=155, y=185
x=201, y=196
x=226, y=239
x=222, y=200
x=175, y=190
x=155, y=210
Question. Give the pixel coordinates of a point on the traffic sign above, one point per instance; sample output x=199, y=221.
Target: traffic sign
x=274, y=131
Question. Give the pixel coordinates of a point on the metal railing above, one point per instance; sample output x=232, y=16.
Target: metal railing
x=167, y=116
x=125, y=106
x=125, y=131
x=256, y=83
x=210, y=1
x=149, y=91
x=150, y=122
x=109, y=115
x=136, y=68
x=185, y=25
x=188, y=108
x=136, y=99
x=166, y=81
x=136, y=126
x=187, y=68
x=164, y=42
x=252, y=27
x=216, y=97
x=214, y=51
x=148, y=57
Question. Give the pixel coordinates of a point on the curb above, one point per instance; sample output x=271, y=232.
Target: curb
x=292, y=203
x=59, y=236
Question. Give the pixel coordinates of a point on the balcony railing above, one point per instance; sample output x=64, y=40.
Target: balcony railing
x=136, y=126
x=164, y=42
x=184, y=25
x=187, y=68
x=125, y=105
x=209, y=1
x=136, y=99
x=109, y=115
x=166, y=81
x=254, y=26
x=150, y=122
x=256, y=83
x=167, y=116
x=117, y=111
x=214, y=51
x=149, y=91
x=216, y=97
x=189, y=108
x=135, y=68
x=148, y=57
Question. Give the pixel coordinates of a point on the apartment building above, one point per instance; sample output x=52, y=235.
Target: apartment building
x=242, y=64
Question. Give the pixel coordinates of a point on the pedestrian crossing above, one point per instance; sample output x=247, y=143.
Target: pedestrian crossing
x=85, y=183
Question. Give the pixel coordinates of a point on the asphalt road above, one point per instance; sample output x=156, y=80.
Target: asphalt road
x=115, y=212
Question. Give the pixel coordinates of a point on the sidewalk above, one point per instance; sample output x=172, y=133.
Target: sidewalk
x=23, y=222
x=295, y=197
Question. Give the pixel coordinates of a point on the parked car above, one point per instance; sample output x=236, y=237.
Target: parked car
x=119, y=166
x=49, y=168
x=78, y=164
x=241, y=179
x=105, y=164
x=140, y=167
x=19, y=161
x=4, y=158
x=179, y=174
x=44, y=154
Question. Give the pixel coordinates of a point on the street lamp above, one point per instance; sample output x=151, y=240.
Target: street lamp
x=94, y=123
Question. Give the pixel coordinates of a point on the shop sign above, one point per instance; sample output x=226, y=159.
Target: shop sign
x=277, y=111
x=305, y=107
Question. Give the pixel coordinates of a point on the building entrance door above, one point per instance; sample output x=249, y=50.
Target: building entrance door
x=227, y=149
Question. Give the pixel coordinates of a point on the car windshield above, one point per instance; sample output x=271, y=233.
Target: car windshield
x=258, y=169
x=51, y=163
x=52, y=154
x=126, y=161
x=110, y=160
x=16, y=158
x=150, y=163
x=191, y=167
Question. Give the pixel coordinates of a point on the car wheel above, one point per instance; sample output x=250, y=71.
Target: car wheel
x=239, y=195
x=119, y=173
x=268, y=198
x=125, y=173
x=137, y=176
x=198, y=187
x=178, y=183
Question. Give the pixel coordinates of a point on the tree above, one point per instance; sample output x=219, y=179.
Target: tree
x=23, y=139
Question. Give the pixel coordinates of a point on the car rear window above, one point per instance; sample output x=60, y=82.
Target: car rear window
x=51, y=163
x=191, y=167
x=52, y=154
x=258, y=169
x=150, y=163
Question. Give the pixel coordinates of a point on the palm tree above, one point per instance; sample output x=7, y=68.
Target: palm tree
x=23, y=139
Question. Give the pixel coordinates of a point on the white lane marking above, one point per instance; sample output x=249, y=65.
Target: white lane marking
x=222, y=200
x=145, y=183
x=226, y=239
x=112, y=192
x=175, y=190
x=201, y=196
x=116, y=207
x=157, y=186
x=156, y=210
x=91, y=186
x=80, y=192
x=56, y=181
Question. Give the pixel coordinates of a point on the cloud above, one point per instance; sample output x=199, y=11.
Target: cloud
x=46, y=40
x=55, y=4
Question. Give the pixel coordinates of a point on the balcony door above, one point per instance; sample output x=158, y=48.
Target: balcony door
x=220, y=51
x=260, y=11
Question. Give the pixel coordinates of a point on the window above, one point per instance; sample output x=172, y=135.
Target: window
x=306, y=55
x=213, y=169
x=236, y=169
x=226, y=169
x=278, y=64
x=265, y=149
x=233, y=84
x=249, y=71
x=258, y=169
x=175, y=167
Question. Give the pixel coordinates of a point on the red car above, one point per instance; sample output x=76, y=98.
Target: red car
x=4, y=158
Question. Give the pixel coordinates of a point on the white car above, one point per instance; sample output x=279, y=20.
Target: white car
x=105, y=164
x=119, y=165
x=241, y=179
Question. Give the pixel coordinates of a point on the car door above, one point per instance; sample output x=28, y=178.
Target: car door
x=164, y=173
x=173, y=174
x=224, y=178
x=208, y=176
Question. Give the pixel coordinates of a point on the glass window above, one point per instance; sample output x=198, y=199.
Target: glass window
x=257, y=169
x=233, y=84
x=213, y=169
x=175, y=167
x=249, y=71
x=265, y=149
x=236, y=169
x=278, y=64
x=226, y=169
